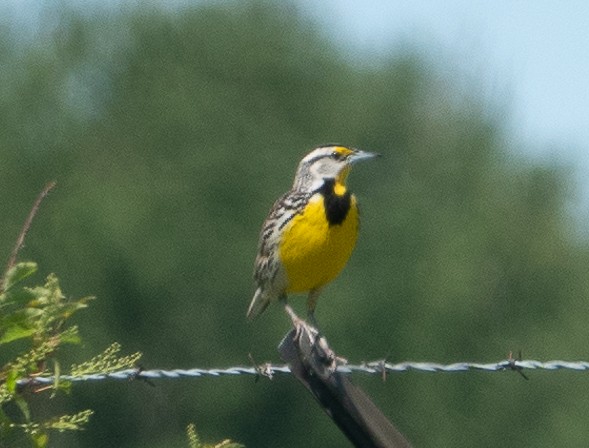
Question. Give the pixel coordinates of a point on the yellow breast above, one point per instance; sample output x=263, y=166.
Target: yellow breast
x=312, y=251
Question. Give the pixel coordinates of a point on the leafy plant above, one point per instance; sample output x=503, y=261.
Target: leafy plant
x=33, y=327
x=34, y=316
x=194, y=441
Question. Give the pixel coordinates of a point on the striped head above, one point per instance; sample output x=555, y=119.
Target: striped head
x=325, y=163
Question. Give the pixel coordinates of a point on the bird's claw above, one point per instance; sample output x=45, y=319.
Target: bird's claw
x=303, y=328
x=327, y=355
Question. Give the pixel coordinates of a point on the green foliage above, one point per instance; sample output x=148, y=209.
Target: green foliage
x=38, y=313
x=35, y=313
x=106, y=362
x=171, y=134
x=194, y=442
x=38, y=431
x=35, y=316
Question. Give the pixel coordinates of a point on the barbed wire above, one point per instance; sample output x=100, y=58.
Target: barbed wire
x=269, y=370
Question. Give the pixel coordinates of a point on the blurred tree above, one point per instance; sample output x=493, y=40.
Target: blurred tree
x=170, y=133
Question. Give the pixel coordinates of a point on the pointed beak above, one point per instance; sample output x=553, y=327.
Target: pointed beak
x=359, y=155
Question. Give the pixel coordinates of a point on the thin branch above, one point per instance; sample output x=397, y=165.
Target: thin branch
x=27, y=225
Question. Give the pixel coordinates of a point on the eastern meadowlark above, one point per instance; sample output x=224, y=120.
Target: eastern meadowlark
x=310, y=232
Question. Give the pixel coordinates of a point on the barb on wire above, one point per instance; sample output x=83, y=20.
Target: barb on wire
x=262, y=370
x=514, y=366
x=370, y=368
x=136, y=375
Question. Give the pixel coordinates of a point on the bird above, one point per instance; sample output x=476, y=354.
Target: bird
x=309, y=233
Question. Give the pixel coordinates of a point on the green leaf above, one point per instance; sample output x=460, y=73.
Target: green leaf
x=73, y=422
x=17, y=273
x=70, y=336
x=11, y=378
x=40, y=439
x=20, y=324
x=56, y=376
x=23, y=406
x=66, y=310
x=15, y=332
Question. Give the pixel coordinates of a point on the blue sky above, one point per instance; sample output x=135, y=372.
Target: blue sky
x=532, y=55
x=536, y=51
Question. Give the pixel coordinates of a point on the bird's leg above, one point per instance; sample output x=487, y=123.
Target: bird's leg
x=311, y=305
x=320, y=342
x=299, y=324
x=289, y=309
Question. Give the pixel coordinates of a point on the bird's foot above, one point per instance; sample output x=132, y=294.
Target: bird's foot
x=307, y=334
x=301, y=327
x=327, y=355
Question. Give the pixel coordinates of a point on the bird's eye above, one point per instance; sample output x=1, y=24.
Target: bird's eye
x=336, y=155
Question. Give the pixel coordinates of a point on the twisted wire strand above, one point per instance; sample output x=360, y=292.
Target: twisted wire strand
x=269, y=370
